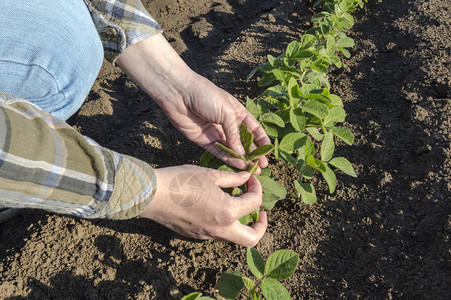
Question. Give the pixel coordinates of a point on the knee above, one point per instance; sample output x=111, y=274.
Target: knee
x=52, y=58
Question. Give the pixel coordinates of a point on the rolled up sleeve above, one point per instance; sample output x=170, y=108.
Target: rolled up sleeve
x=46, y=164
x=121, y=23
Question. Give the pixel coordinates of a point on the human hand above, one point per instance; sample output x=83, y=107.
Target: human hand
x=189, y=200
x=207, y=114
x=203, y=112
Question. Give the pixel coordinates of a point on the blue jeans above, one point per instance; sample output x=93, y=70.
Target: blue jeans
x=50, y=53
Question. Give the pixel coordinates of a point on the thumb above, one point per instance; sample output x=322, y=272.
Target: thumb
x=225, y=179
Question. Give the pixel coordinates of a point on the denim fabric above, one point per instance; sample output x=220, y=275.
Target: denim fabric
x=50, y=53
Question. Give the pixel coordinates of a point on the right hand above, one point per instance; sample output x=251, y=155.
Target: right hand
x=189, y=200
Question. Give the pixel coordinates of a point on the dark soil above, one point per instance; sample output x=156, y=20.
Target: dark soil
x=382, y=235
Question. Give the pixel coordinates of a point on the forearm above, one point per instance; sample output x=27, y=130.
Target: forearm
x=155, y=66
x=46, y=164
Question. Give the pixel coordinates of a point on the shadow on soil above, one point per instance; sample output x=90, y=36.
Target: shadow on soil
x=390, y=236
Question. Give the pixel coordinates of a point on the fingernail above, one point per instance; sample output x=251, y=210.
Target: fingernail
x=244, y=174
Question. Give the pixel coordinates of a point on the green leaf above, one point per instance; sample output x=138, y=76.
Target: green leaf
x=307, y=41
x=297, y=119
x=252, y=73
x=287, y=157
x=280, y=75
x=246, y=220
x=255, y=296
x=330, y=178
x=270, y=130
x=330, y=44
x=316, y=164
x=336, y=100
x=309, y=149
x=269, y=200
x=230, y=284
x=260, y=151
x=343, y=134
x=294, y=93
x=281, y=264
x=271, y=186
x=274, y=290
x=247, y=138
x=272, y=118
x=292, y=48
x=225, y=167
x=343, y=165
x=255, y=262
x=345, y=42
x=305, y=54
x=313, y=131
x=308, y=172
x=248, y=283
x=254, y=168
x=349, y=18
x=315, y=107
x=327, y=147
x=307, y=191
x=292, y=141
x=271, y=59
x=229, y=151
x=192, y=296
x=276, y=148
x=208, y=160
x=345, y=51
x=252, y=108
x=284, y=114
x=336, y=115
x=266, y=79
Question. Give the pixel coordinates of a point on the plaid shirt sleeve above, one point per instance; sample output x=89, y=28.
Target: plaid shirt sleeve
x=46, y=164
x=121, y=23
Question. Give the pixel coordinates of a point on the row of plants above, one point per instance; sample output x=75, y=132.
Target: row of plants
x=304, y=120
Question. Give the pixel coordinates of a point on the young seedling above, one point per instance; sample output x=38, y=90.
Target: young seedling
x=297, y=109
x=272, y=191
x=247, y=140
x=279, y=266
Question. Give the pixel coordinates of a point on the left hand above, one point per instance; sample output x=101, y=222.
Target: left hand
x=207, y=114
x=203, y=112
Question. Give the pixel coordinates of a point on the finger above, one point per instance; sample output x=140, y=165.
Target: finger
x=230, y=127
x=222, y=155
x=249, y=201
x=225, y=179
x=249, y=236
x=260, y=136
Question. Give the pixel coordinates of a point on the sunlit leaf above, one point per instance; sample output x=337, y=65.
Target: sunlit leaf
x=313, y=131
x=229, y=151
x=230, y=284
x=330, y=178
x=260, y=151
x=292, y=141
x=327, y=147
x=274, y=290
x=297, y=119
x=281, y=264
x=343, y=165
x=307, y=192
x=272, y=118
x=255, y=262
x=315, y=107
x=344, y=134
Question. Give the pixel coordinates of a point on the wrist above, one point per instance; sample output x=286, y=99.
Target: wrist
x=157, y=69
